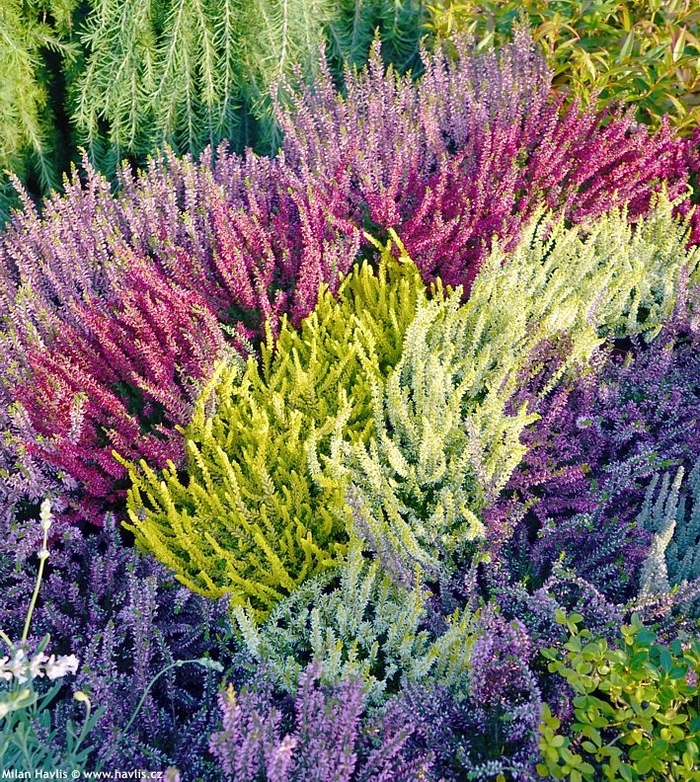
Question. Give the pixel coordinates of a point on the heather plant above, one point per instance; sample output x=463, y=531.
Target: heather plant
x=246, y=519
x=579, y=488
x=132, y=624
x=625, y=282
x=471, y=150
x=447, y=437
x=123, y=383
x=325, y=737
x=635, y=707
x=357, y=621
x=638, y=52
x=178, y=244
x=672, y=560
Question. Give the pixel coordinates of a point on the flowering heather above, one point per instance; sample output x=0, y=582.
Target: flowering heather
x=120, y=383
x=580, y=485
x=325, y=736
x=124, y=616
x=470, y=150
x=111, y=307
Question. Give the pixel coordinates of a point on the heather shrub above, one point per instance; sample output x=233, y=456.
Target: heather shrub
x=246, y=518
x=182, y=246
x=672, y=564
x=471, y=150
x=121, y=383
x=564, y=286
x=633, y=51
x=356, y=621
x=635, y=707
x=27, y=736
x=447, y=434
x=489, y=730
x=590, y=456
x=127, y=620
x=324, y=736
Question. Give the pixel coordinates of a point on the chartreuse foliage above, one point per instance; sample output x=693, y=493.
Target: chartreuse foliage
x=635, y=709
x=643, y=52
x=357, y=621
x=247, y=519
x=447, y=432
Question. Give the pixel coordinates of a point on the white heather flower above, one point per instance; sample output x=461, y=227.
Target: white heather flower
x=55, y=668
x=4, y=674
x=34, y=667
x=18, y=666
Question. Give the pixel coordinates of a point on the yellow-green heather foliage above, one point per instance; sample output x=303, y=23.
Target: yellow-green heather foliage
x=447, y=432
x=247, y=519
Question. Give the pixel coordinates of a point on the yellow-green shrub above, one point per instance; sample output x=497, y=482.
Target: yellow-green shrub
x=247, y=519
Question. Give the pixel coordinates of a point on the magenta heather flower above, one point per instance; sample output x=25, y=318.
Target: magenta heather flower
x=468, y=152
x=113, y=309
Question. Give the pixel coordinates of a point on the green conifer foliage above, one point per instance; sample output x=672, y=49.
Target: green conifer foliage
x=25, y=118
x=186, y=72
x=447, y=427
x=247, y=519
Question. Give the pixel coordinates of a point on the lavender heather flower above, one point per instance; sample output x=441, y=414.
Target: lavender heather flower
x=596, y=446
x=233, y=240
x=323, y=736
x=126, y=618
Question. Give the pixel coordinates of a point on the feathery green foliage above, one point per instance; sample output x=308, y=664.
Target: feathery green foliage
x=26, y=121
x=247, y=519
x=193, y=72
x=399, y=24
x=446, y=437
x=358, y=621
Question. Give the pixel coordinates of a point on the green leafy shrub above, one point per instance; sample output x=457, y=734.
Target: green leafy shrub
x=642, y=52
x=635, y=709
x=447, y=431
x=247, y=518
